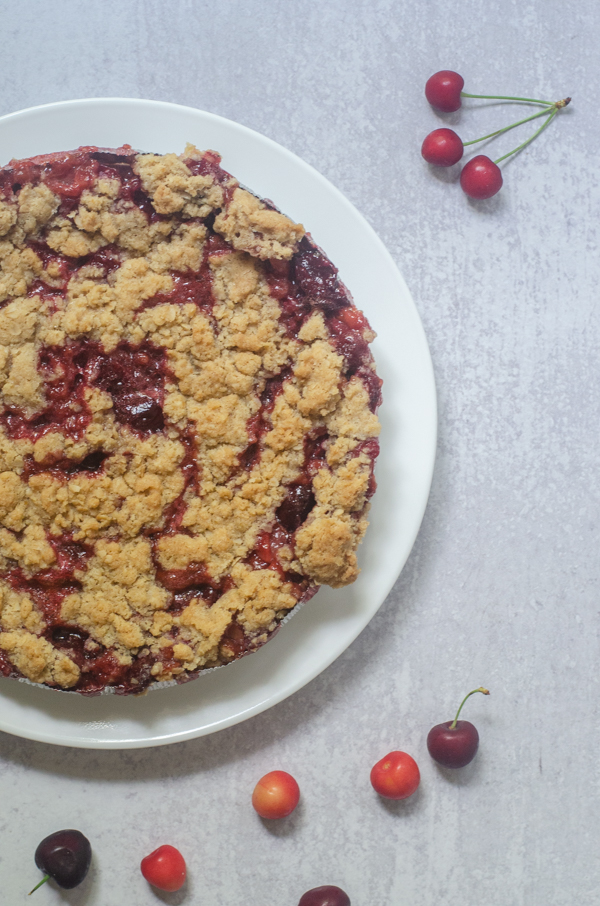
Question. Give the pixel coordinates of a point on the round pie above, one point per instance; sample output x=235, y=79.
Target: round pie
x=187, y=419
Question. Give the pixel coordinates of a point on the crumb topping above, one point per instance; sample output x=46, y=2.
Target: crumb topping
x=251, y=227
x=187, y=419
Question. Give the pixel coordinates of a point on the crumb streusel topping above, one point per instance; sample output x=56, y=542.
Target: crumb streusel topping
x=187, y=419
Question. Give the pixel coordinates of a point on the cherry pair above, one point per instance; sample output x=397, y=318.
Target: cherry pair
x=65, y=856
x=452, y=744
x=481, y=177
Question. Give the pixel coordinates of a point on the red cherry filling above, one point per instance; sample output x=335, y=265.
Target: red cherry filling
x=350, y=343
x=180, y=579
x=6, y=668
x=297, y=505
x=139, y=411
x=62, y=466
x=188, y=466
x=209, y=165
x=68, y=174
x=189, y=586
x=317, y=278
x=259, y=424
x=292, y=512
x=310, y=282
x=300, y=499
x=133, y=376
x=235, y=642
x=70, y=637
x=49, y=587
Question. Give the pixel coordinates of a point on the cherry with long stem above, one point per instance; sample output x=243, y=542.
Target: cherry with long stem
x=531, y=137
x=444, y=148
x=481, y=177
x=480, y=689
x=557, y=105
x=444, y=91
x=454, y=744
x=505, y=97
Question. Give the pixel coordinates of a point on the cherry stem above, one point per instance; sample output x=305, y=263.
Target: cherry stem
x=504, y=97
x=544, y=112
x=43, y=881
x=481, y=689
x=531, y=137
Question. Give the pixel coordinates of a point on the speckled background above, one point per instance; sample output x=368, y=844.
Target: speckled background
x=502, y=584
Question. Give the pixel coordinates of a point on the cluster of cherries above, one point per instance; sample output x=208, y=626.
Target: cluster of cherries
x=65, y=856
x=481, y=177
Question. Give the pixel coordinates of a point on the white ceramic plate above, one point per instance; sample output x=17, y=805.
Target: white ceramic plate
x=324, y=627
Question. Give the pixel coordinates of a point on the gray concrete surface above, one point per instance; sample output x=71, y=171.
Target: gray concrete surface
x=502, y=584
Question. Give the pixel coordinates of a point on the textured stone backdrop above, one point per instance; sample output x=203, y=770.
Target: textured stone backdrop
x=502, y=585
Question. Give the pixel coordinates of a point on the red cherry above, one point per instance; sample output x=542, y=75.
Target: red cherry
x=453, y=748
x=325, y=896
x=481, y=177
x=442, y=147
x=443, y=90
x=396, y=776
x=276, y=795
x=164, y=868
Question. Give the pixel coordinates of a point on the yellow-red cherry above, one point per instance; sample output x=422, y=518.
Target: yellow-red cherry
x=276, y=795
x=164, y=868
x=396, y=776
x=443, y=89
x=442, y=147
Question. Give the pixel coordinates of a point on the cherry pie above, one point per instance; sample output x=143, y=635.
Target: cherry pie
x=187, y=419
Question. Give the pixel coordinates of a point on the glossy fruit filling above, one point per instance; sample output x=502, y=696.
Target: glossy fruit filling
x=48, y=588
x=310, y=282
x=134, y=377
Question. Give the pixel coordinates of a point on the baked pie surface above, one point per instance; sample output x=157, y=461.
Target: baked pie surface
x=187, y=419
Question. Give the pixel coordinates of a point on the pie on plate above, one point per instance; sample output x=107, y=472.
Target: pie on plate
x=187, y=419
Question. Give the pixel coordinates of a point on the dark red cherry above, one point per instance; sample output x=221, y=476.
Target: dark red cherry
x=454, y=743
x=294, y=509
x=325, y=896
x=317, y=278
x=140, y=411
x=65, y=857
x=453, y=748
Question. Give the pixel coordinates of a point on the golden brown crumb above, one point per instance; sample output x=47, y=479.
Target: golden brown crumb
x=251, y=227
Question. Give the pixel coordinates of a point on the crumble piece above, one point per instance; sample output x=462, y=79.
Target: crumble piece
x=174, y=189
x=252, y=227
x=37, y=660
